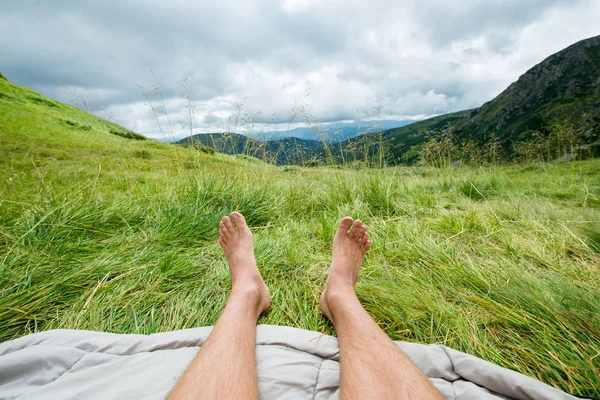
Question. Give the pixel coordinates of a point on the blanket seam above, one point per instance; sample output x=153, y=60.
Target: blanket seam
x=317, y=380
x=453, y=370
x=332, y=358
x=59, y=376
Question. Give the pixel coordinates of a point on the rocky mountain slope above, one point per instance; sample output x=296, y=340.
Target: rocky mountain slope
x=563, y=90
x=565, y=87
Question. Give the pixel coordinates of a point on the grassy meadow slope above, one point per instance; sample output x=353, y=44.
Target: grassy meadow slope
x=106, y=233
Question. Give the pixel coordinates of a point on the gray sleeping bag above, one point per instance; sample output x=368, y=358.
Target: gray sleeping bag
x=292, y=364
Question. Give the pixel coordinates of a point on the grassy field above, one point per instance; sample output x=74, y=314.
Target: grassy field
x=105, y=233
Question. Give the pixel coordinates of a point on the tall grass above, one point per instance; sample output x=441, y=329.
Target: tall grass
x=499, y=263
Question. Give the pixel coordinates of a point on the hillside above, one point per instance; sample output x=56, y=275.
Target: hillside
x=101, y=232
x=565, y=87
x=400, y=145
x=562, y=89
x=20, y=105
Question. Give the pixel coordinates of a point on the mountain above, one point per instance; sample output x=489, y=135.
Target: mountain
x=285, y=151
x=332, y=132
x=565, y=87
x=400, y=145
x=561, y=91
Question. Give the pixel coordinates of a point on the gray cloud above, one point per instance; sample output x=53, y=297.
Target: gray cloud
x=412, y=58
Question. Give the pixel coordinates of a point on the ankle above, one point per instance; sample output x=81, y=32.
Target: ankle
x=246, y=293
x=250, y=294
x=340, y=297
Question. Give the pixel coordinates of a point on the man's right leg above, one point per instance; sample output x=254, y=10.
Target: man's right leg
x=372, y=366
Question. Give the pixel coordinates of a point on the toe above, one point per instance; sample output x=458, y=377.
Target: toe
x=356, y=229
x=222, y=241
x=363, y=239
x=239, y=220
x=223, y=232
x=362, y=231
x=366, y=246
x=345, y=224
x=228, y=225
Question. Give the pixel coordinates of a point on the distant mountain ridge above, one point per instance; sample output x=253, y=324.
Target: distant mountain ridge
x=562, y=89
x=290, y=150
x=332, y=132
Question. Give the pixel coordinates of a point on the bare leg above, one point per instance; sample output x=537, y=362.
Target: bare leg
x=225, y=367
x=372, y=366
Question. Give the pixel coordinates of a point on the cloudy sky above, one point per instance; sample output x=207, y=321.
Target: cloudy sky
x=276, y=62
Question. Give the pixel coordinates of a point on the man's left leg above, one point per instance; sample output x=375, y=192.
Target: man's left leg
x=225, y=367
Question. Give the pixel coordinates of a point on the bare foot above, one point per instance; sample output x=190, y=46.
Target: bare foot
x=350, y=244
x=238, y=245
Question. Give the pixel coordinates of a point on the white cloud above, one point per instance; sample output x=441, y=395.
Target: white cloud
x=411, y=58
x=292, y=6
